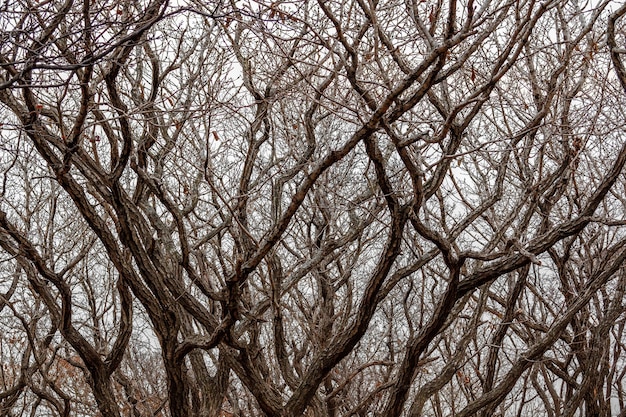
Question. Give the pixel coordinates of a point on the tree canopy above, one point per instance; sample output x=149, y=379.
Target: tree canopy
x=322, y=208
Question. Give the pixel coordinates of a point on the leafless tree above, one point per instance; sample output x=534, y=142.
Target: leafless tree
x=321, y=208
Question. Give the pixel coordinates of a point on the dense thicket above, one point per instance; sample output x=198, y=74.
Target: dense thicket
x=320, y=208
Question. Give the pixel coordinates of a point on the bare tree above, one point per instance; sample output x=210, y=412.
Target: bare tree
x=325, y=208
